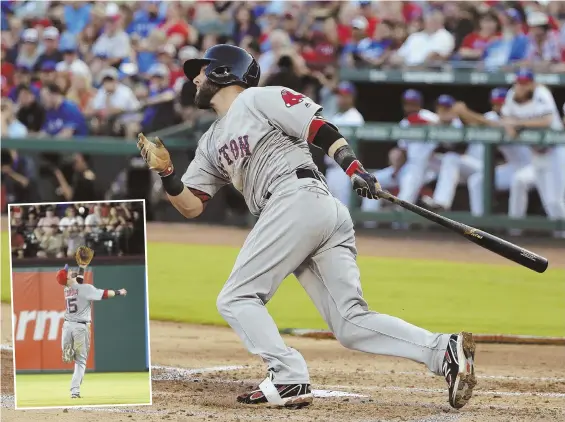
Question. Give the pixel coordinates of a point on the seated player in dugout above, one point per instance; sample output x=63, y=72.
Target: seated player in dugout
x=260, y=144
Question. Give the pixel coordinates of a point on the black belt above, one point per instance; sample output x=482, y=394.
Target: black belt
x=78, y=322
x=303, y=174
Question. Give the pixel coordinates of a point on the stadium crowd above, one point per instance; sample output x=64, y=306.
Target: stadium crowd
x=56, y=231
x=78, y=68
x=71, y=69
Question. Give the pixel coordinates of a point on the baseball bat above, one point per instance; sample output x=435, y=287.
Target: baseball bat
x=486, y=240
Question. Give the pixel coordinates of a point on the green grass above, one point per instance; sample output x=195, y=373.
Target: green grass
x=52, y=390
x=184, y=281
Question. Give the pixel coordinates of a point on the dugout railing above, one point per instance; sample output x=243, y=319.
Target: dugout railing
x=369, y=133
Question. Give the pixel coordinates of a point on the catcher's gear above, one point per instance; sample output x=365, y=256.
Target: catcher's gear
x=84, y=255
x=225, y=65
x=155, y=155
x=63, y=275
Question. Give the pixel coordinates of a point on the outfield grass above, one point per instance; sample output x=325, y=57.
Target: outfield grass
x=184, y=281
x=52, y=390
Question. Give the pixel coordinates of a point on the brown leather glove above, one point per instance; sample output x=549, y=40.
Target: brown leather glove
x=155, y=155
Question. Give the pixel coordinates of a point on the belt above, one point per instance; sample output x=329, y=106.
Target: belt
x=303, y=174
x=78, y=322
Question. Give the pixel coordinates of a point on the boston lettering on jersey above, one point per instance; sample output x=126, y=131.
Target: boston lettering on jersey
x=235, y=149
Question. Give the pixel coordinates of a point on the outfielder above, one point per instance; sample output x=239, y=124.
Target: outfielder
x=76, y=328
x=260, y=144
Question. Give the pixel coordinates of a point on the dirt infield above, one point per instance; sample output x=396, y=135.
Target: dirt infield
x=516, y=382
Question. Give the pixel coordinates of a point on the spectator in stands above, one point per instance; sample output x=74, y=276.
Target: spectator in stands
x=280, y=44
x=71, y=218
x=63, y=118
x=543, y=47
x=93, y=221
x=51, y=53
x=474, y=45
x=18, y=177
x=82, y=187
x=77, y=16
x=145, y=20
x=286, y=74
x=30, y=112
x=244, y=24
x=112, y=106
x=431, y=46
x=48, y=221
x=159, y=106
x=51, y=243
x=29, y=51
x=347, y=115
x=70, y=62
x=114, y=41
x=22, y=76
x=81, y=91
x=47, y=73
x=11, y=127
x=177, y=30
x=166, y=55
x=374, y=51
x=512, y=46
x=73, y=237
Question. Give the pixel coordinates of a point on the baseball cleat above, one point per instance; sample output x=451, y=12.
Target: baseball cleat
x=294, y=396
x=68, y=353
x=76, y=396
x=459, y=368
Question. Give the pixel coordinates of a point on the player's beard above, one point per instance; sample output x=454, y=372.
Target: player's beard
x=205, y=93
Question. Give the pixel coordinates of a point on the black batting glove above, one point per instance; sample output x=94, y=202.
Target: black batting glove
x=364, y=184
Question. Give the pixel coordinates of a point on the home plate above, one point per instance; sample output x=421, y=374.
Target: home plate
x=329, y=393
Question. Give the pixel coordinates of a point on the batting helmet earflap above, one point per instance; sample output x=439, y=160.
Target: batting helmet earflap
x=225, y=65
x=62, y=275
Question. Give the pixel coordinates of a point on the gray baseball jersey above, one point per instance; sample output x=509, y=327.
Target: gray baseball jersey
x=261, y=139
x=78, y=298
x=302, y=229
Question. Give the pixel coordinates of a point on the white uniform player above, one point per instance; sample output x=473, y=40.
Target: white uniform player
x=411, y=161
x=454, y=167
x=338, y=182
x=260, y=144
x=530, y=105
x=515, y=157
x=75, y=337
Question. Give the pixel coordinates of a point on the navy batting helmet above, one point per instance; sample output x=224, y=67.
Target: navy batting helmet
x=225, y=65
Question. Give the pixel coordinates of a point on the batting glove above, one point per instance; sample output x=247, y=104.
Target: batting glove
x=365, y=184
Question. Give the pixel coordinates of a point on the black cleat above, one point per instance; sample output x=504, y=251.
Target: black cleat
x=459, y=368
x=76, y=396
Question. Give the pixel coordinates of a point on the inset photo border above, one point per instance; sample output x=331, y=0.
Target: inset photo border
x=80, y=305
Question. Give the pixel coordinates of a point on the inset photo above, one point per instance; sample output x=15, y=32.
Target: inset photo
x=80, y=324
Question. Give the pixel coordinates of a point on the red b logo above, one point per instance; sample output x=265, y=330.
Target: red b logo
x=290, y=98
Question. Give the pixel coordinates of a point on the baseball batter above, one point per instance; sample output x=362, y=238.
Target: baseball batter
x=260, y=144
x=75, y=336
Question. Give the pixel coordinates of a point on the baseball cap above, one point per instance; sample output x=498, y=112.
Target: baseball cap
x=498, y=95
x=62, y=275
x=24, y=68
x=524, y=75
x=48, y=66
x=109, y=73
x=346, y=87
x=537, y=19
x=158, y=69
x=169, y=49
x=188, y=52
x=51, y=33
x=112, y=11
x=30, y=35
x=514, y=15
x=445, y=100
x=412, y=95
x=360, y=22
